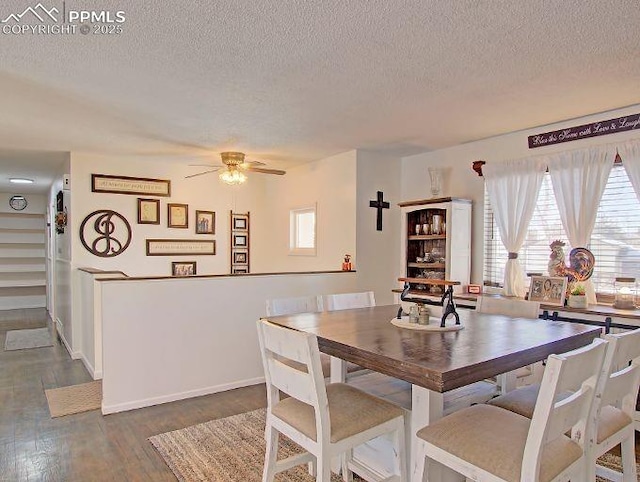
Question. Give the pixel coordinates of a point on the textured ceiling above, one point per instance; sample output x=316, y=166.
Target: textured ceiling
x=293, y=81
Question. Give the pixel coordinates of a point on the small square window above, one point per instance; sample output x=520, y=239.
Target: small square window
x=302, y=231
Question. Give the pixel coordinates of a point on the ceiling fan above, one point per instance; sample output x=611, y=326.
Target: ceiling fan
x=233, y=167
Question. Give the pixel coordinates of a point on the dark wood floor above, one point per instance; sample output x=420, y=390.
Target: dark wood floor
x=87, y=446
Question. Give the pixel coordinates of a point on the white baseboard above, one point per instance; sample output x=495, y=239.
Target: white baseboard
x=96, y=375
x=121, y=407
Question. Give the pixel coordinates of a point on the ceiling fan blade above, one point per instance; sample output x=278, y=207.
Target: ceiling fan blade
x=202, y=173
x=266, y=171
x=217, y=166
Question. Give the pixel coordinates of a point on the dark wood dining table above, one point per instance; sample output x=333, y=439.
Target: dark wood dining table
x=435, y=362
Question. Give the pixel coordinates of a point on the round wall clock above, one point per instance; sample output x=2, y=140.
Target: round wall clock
x=18, y=203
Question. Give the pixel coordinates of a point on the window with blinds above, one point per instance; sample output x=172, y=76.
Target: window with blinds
x=615, y=241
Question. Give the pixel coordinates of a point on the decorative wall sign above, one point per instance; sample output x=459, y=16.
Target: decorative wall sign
x=130, y=185
x=379, y=204
x=239, y=243
x=180, y=247
x=105, y=233
x=601, y=128
x=148, y=211
x=177, y=215
x=183, y=268
x=205, y=222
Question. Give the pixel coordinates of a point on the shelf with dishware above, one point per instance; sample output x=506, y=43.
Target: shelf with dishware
x=436, y=240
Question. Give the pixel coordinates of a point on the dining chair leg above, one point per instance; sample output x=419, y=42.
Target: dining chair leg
x=346, y=458
x=324, y=467
x=401, y=452
x=271, y=455
x=628, y=453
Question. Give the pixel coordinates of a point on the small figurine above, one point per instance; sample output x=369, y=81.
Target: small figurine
x=346, y=265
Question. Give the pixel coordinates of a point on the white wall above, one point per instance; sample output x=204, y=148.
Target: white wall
x=205, y=192
x=378, y=264
x=461, y=181
x=60, y=264
x=330, y=184
x=171, y=339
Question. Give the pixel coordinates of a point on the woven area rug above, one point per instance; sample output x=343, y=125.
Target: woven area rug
x=232, y=450
x=74, y=399
x=226, y=450
x=24, y=339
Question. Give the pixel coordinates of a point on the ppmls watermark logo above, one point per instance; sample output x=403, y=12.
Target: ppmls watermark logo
x=41, y=20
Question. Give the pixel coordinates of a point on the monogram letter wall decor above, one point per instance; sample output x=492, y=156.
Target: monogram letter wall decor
x=105, y=233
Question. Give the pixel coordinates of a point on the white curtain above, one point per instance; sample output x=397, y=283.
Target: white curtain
x=579, y=178
x=513, y=188
x=630, y=153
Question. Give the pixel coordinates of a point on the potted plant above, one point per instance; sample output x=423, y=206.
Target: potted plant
x=577, y=297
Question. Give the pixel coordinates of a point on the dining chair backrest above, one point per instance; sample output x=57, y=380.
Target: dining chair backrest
x=345, y=301
x=302, y=380
x=291, y=306
x=621, y=373
x=515, y=307
x=577, y=372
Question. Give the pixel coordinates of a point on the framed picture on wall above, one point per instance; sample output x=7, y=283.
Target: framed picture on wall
x=240, y=241
x=240, y=257
x=148, y=211
x=205, y=222
x=183, y=268
x=240, y=222
x=240, y=270
x=549, y=290
x=177, y=215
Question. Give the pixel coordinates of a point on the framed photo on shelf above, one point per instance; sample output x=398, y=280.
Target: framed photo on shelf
x=177, y=215
x=240, y=222
x=240, y=257
x=148, y=211
x=183, y=268
x=205, y=222
x=549, y=290
x=240, y=241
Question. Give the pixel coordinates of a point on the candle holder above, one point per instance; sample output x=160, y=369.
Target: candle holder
x=625, y=289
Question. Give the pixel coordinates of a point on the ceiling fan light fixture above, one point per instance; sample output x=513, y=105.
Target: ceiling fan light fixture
x=232, y=177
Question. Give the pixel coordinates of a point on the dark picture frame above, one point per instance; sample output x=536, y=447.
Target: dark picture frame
x=183, y=268
x=240, y=257
x=548, y=290
x=240, y=241
x=240, y=222
x=240, y=270
x=130, y=185
x=177, y=215
x=205, y=222
x=148, y=211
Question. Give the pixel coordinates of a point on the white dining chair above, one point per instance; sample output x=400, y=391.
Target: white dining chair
x=490, y=444
x=345, y=301
x=325, y=420
x=515, y=308
x=613, y=410
x=291, y=306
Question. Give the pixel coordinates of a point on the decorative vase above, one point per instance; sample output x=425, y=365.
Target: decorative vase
x=436, y=181
x=577, y=301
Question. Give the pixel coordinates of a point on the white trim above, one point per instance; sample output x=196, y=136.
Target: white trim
x=74, y=355
x=121, y=407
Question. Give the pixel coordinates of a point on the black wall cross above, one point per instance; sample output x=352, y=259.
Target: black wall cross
x=379, y=204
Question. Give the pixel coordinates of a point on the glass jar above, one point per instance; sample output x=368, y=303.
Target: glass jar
x=625, y=289
x=413, y=314
x=423, y=315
